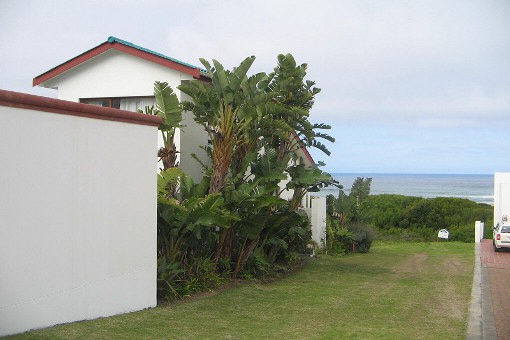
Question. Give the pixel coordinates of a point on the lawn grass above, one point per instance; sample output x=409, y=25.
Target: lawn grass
x=397, y=291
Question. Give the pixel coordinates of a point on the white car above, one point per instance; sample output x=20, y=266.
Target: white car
x=501, y=237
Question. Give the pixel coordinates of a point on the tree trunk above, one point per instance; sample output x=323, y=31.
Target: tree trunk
x=224, y=245
x=244, y=256
x=168, y=154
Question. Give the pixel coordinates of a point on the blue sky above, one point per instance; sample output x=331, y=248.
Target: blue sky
x=408, y=86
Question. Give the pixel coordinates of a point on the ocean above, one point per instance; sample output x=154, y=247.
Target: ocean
x=478, y=188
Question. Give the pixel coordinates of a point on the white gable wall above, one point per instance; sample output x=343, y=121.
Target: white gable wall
x=114, y=74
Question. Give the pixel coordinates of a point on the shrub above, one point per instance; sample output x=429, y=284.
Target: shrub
x=362, y=236
x=258, y=265
x=407, y=235
x=465, y=233
x=355, y=238
x=176, y=282
x=338, y=238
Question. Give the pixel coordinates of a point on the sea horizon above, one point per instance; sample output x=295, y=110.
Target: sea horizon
x=413, y=173
x=476, y=187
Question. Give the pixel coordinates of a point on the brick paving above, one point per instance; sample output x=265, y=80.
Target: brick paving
x=498, y=266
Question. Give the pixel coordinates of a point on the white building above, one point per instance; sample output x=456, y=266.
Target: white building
x=121, y=75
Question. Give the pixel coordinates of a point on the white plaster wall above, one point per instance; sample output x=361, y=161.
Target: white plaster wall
x=192, y=137
x=318, y=219
x=286, y=193
x=77, y=218
x=501, y=195
x=315, y=208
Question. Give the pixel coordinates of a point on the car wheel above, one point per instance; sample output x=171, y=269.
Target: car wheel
x=496, y=249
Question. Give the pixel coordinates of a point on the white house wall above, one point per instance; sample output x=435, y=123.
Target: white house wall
x=193, y=136
x=114, y=74
x=77, y=218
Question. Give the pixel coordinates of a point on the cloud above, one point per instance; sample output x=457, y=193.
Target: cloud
x=438, y=68
x=466, y=108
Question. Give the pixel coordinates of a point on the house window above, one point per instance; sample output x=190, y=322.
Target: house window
x=134, y=104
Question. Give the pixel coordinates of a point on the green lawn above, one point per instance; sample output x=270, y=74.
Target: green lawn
x=397, y=291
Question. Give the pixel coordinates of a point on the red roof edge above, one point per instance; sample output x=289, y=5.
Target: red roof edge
x=71, y=63
x=195, y=72
x=304, y=149
x=39, y=103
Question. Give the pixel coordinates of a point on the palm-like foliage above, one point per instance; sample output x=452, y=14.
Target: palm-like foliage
x=295, y=97
x=168, y=108
x=225, y=107
x=187, y=227
x=255, y=125
x=221, y=106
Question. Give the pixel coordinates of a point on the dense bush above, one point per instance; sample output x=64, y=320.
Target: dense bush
x=406, y=218
x=231, y=224
x=352, y=238
x=406, y=235
x=338, y=238
x=362, y=236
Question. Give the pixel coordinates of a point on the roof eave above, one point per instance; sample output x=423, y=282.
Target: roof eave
x=305, y=150
x=119, y=45
x=71, y=63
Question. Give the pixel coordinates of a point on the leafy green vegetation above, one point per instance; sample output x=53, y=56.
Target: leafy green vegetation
x=346, y=230
x=234, y=223
x=397, y=291
x=423, y=218
x=406, y=218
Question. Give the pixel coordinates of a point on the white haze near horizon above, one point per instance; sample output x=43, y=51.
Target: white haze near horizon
x=408, y=87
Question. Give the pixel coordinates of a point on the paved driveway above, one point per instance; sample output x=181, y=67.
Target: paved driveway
x=498, y=267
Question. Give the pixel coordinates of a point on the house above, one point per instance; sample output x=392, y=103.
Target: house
x=121, y=75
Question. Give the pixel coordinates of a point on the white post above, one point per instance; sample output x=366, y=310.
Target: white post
x=318, y=219
x=478, y=228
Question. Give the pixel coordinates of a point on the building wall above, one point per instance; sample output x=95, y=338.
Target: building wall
x=77, y=216
x=117, y=74
x=501, y=196
x=194, y=137
x=315, y=208
x=114, y=74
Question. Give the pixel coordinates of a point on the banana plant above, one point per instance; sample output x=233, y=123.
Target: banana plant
x=225, y=107
x=254, y=203
x=184, y=222
x=304, y=180
x=293, y=97
x=285, y=227
x=221, y=106
x=168, y=108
